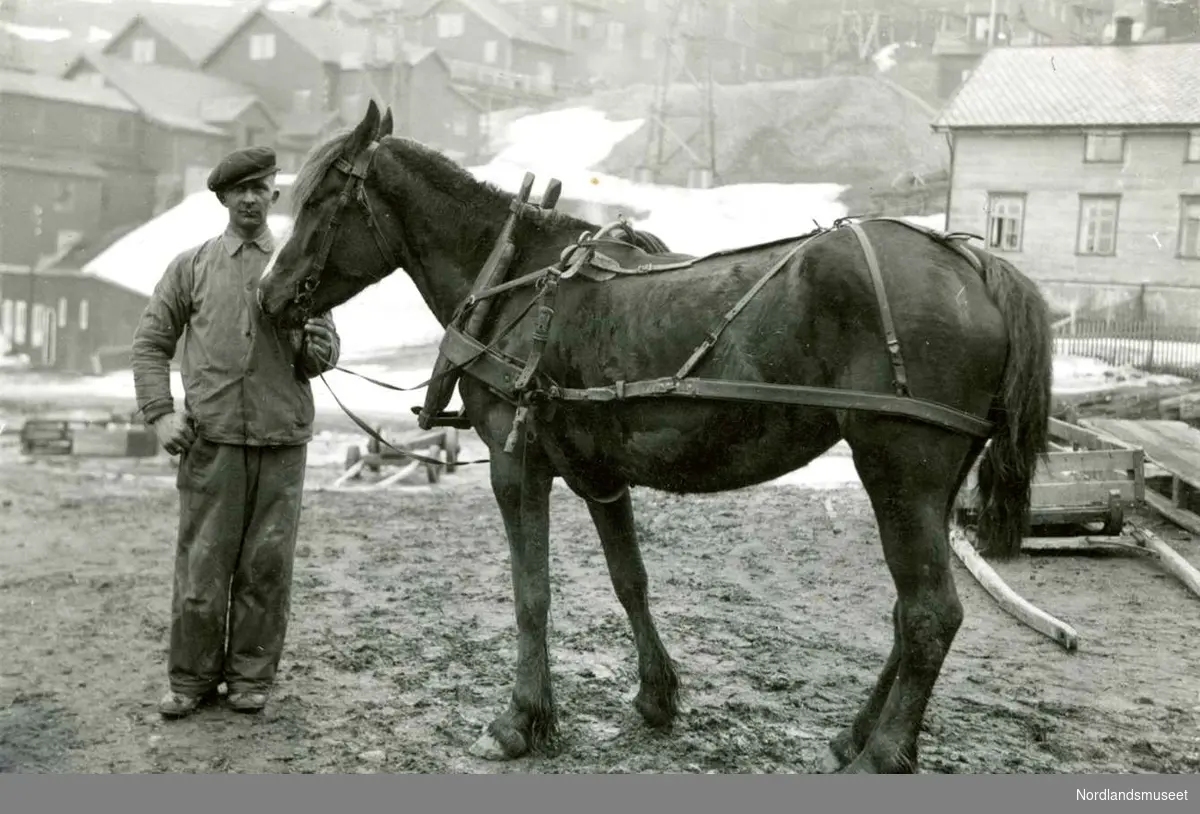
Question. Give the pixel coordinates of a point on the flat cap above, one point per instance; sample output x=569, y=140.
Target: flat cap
x=242, y=165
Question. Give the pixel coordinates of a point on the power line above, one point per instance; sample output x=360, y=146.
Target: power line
x=687, y=38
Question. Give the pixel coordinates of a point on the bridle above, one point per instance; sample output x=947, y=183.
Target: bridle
x=356, y=176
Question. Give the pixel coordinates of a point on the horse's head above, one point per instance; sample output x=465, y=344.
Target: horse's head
x=342, y=234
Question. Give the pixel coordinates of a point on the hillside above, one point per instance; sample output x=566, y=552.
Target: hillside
x=859, y=131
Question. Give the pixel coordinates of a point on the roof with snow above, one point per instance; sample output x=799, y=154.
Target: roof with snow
x=1080, y=86
x=496, y=16
x=328, y=41
x=41, y=86
x=175, y=97
x=193, y=29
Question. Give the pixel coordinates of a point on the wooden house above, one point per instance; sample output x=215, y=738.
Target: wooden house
x=1081, y=165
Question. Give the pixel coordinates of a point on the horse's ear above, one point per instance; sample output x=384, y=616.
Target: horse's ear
x=385, y=126
x=365, y=132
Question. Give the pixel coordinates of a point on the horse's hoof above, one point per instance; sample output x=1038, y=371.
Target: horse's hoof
x=489, y=747
x=830, y=763
x=654, y=715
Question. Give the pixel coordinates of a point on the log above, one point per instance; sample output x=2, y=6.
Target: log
x=1008, y=599
x=1186, y=520
x=1087, y=544
x=1171, y=559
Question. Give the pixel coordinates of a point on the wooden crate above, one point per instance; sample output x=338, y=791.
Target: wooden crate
x=1084, y=478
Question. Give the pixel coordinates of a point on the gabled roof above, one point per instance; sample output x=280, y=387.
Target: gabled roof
x=41, y=86
x=194, y=30
x=495, y=16
x=327, y=41
x=1079, y=86
x=73, y=167
x=174, y=97
x=351, y=8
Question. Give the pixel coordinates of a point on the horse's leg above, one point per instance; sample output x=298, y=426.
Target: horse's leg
x=851, y=740
x=658, y=697
x=521, y=484
x=911, y=475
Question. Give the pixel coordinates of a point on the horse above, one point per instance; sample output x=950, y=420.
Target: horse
x=977, y=337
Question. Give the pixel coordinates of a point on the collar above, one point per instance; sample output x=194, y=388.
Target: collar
x=233, y=241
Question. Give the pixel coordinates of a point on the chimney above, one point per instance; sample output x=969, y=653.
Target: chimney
x=1123, y=34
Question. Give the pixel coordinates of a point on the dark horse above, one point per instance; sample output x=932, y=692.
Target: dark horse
x=976, y=338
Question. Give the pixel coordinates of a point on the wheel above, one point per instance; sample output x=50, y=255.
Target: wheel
x=375, y=448
x=1115, y=521
x=450, y=446
x=353, y=456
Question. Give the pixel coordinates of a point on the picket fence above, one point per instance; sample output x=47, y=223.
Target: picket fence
x=1143, y=344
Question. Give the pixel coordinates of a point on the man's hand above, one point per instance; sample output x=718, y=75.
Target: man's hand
x=318, y=332
x=174, y=433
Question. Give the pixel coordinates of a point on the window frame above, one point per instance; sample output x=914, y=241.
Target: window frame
x=1005, y=196
x=1084, y=200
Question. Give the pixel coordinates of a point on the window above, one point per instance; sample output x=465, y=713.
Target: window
x=37, y=326
x=19, y=334
x=302, y=101
x=125, y=130
x=93, y=127
x=649, y=45
x=262, y=47
x=458, y=124
x=1104, y=147
x=584, y=19
x=548, y=17
x=545, y=74
x=616, y=36
x=143, y=50
x=64, y=196
x=1006, y=222
x=491, y=51
x=1193, y=146
x=1189, y=228
x=1098, y=224
x=6, y=319
x=62, y=312
x=450, y=26
x=83, y=315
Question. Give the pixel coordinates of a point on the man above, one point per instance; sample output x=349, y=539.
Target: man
x=242, y=439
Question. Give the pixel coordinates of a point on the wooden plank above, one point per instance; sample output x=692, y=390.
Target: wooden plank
x=1086, y=493
x=1170, y=558
x=1189, y=521
x=1085, y=544
x=1012, y=602
x=1076, y=434
x=1173, y=445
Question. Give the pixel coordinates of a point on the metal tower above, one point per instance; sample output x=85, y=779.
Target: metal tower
x=11, y=58
x=685, y=59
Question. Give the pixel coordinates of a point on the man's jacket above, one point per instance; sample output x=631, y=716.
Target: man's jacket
x=244, y=380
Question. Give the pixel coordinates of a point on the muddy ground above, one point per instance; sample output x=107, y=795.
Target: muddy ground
x=775, y=601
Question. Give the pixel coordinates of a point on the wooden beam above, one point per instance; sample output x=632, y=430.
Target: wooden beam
x=1186, y=520
x=1008, y=599
x=1088, y=544
x=1170, y=558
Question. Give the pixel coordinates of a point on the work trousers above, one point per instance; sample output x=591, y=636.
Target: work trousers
x=239, y=512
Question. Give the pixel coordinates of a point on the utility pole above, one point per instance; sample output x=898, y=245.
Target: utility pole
x=689, y=33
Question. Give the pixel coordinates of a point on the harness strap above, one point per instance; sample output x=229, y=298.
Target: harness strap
x=732, y=313
x=899, y=375
x=909, y=406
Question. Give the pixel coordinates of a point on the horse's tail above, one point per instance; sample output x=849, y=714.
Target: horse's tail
x=1021, y=411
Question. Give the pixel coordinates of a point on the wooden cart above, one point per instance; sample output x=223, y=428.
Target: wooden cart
x=1085, y=479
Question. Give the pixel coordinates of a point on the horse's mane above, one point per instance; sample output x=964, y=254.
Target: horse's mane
x=439, y=171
